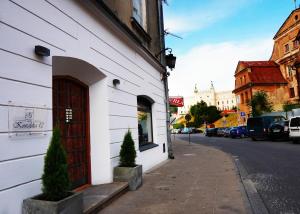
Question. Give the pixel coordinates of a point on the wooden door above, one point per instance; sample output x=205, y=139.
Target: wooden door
x=70, y=114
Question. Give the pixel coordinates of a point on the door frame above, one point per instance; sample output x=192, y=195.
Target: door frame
x=88, y=144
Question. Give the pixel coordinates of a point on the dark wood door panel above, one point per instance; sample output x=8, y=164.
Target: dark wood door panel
x=70, y=114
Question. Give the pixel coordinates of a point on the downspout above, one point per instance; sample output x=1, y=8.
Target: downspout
x=165, y=77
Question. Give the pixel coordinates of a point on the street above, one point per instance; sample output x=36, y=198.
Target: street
x=273, y=167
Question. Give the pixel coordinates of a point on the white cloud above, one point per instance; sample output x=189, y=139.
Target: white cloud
x=201, y=16
x=214, y=62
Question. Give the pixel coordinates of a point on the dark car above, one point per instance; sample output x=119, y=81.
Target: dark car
x=258, y=126
x=227, y=132
x=211, y=132
x=220, y=132
x=279, y=130
x=239, y=131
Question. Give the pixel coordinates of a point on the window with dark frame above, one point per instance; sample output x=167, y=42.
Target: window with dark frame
x=139, y=12
x=292, y=92
x=296, y=43
x=286, y=48
x=145, y=128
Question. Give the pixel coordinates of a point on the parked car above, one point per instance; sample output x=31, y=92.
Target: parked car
x=197, y=130
x=227, y=132
x=186, y=130
x=239, y=131
x=258, y=126
x=175, y=131
x=220, y=132
x=279, y=130
x=211, y=132
x=294, y=128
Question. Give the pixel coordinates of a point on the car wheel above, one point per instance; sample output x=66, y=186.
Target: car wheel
x=242, y=135
x=295, y=141
x=253, y=138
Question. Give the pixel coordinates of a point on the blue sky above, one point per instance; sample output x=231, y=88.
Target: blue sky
x=216, y=34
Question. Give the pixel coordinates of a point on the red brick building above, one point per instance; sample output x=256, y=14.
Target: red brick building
x=253, y=76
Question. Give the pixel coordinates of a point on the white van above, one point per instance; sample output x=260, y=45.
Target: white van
x=294, y=126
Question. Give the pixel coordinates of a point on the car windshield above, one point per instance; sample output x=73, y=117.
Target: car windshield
x=295, y=121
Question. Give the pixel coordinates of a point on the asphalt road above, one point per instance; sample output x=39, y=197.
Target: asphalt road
x=273, y=167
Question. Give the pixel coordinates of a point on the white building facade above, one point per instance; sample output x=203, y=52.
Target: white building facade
x=223, y=100
x=95, y=84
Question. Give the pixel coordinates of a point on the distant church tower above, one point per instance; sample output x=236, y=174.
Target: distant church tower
x=212, y=93
x=196, y=89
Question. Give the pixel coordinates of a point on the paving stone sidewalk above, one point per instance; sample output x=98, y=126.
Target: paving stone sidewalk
x=199, y=180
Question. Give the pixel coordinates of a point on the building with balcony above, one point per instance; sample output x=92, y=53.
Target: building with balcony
x=89, y=67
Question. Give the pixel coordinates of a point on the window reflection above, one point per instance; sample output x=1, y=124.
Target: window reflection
x=144, y=121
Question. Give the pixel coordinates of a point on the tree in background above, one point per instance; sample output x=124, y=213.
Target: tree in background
x=173, y=109
x=289, y=107
x=203, y=113
x=187, y=118
x=260, y=104
x=198, y=112
x=178, y=126
x=212, y=114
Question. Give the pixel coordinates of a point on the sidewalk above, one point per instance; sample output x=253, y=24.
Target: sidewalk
x=199, y=180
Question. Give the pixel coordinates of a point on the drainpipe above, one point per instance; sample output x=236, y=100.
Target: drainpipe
x=165, y=77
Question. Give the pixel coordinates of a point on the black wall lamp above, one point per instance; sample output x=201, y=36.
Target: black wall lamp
x=170, y=58
x=41, y=50
x=116, y=82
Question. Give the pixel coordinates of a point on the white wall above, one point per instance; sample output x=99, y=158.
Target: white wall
x=68, y=29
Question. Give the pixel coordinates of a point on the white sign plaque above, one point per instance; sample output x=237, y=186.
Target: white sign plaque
x=27, y=121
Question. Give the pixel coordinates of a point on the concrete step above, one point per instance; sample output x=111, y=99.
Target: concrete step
x=97, y=197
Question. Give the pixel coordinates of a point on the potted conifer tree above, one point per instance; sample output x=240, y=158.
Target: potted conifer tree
x=56, y=197
x=128, y=170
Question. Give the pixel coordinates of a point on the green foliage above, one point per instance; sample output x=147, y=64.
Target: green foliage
x=260, y=104
x=234, y=108
x=178, y=126
x=127, y=153
x=212, y=114
x=203, y=113
x=55, y=178
x=290, y=106
x=188, y=117
x=173, y=109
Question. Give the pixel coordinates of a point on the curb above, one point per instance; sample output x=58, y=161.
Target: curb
x=253, y=201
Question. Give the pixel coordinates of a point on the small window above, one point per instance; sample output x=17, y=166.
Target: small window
x=292, y=92
x=289, y=71
x=144, y=120
x=286, y=48
x=247, y=98
x=139, y=12
x=296, y=44
x=242, y=98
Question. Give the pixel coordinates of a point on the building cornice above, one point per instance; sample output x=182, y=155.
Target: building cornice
x=123, y=31
x=252, y=84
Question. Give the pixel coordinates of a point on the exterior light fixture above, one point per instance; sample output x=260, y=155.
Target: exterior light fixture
x=41, y=51
x=116, y=82
x=170, y=58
